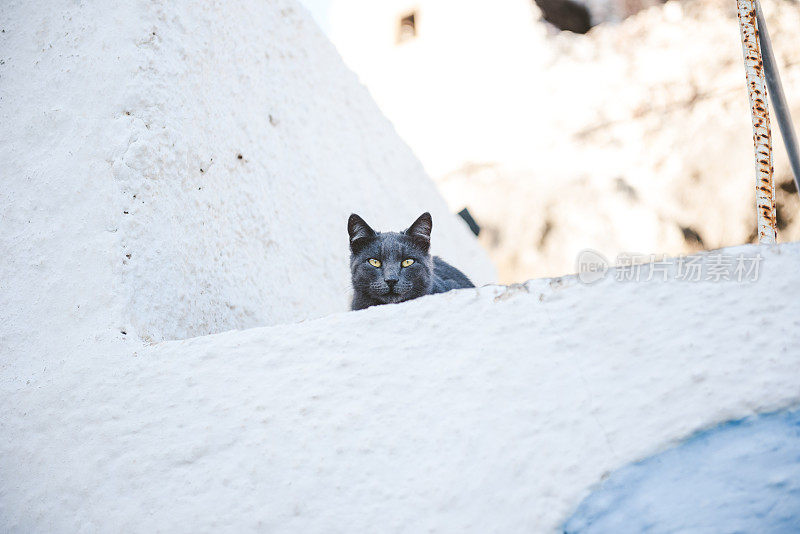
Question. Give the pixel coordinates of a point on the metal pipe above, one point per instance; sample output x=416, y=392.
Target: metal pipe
x=776, y=96
x=757, y=93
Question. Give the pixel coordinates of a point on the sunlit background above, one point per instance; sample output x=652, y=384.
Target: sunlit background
x=617, y=125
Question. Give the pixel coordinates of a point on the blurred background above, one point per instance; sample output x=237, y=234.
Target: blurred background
x=617, y=125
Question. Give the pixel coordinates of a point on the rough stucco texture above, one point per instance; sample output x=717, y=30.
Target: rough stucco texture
x=179, y=169
x=481, y=410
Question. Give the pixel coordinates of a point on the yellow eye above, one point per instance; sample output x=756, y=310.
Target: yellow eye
x=407, y=262
x=374, y=262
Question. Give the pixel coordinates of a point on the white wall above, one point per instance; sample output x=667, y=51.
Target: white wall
x=479, y=410
x=465, y=88
x=125, y=204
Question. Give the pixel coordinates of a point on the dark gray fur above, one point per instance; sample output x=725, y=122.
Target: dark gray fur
x=391, y=282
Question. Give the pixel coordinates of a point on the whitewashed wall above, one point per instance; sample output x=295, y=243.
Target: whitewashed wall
x=173, y=170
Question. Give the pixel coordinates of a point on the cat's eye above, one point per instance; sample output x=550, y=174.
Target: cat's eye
x=407, y=262
x=374, y=262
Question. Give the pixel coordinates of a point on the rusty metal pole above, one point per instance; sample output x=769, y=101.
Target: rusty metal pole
x=757, y=90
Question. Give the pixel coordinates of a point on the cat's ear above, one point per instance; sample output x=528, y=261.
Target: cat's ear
x=420, y=231
x=359, y=232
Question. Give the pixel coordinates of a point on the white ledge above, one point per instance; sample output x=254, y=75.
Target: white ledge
x=478, y=410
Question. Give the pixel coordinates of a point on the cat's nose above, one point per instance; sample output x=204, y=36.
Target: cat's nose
x=390, y=282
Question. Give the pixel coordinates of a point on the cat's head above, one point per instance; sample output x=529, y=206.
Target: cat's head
x=391, y=266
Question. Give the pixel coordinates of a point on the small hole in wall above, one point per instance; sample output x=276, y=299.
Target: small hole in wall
x=238, y=156
x=407, y=28
x=566, y=15
x=124, y=333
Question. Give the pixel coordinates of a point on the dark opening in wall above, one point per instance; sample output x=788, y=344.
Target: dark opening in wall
x=407, y=28
x=566, y=15
x=692, y=237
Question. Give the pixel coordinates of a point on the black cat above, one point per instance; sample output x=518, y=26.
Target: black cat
x=391, y=267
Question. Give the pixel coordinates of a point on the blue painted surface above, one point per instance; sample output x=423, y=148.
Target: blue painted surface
x=742, y=476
